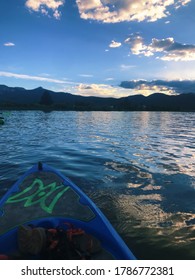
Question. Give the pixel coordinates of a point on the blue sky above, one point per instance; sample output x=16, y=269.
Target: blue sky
x=89, y=47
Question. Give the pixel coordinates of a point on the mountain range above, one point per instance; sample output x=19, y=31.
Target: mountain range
x=43, y=99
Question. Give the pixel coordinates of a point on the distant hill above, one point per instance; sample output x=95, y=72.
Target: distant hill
x=40, y=98
x=163, y=102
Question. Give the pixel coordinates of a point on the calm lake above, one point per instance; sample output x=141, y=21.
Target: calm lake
x=138, y=167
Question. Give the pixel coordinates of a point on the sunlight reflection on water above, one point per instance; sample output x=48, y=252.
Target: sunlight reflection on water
x=139, y=167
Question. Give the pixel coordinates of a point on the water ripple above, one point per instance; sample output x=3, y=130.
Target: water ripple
x=138, y=167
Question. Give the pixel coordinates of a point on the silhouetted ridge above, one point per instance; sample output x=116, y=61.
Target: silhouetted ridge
x=43, y=99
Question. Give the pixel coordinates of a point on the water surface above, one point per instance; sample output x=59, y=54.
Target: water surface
x=138, y=167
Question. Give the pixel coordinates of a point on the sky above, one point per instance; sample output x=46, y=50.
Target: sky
x=107, y=48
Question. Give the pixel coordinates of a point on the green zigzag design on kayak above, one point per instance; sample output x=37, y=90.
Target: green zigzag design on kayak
x=40, y=195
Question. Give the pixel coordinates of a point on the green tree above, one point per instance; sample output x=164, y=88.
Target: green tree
x=46, y=99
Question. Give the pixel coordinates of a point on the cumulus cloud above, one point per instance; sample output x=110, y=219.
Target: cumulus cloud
x=179, y=52
x=147, y=89
x=100, y=90
x=137, y=45
x=173, y=50
x=161, y=45
x=9, y=44
x=112, y=11
x=167, y=49
x=44, y=6
x=114, y=44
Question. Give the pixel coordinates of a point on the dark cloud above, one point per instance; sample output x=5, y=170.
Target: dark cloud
x=163, y=44
x=185, y=86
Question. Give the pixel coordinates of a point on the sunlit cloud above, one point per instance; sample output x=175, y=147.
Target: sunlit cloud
x=100, y=90
x=104, y=90
x=9, y=44
x=137, y=45
x=112, y=11
x=114, y=44
x=146, y=89
x=173, y=50
x=165, y=49
x=46, y=6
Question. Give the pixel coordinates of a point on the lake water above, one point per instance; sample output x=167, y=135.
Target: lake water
x=138, y=167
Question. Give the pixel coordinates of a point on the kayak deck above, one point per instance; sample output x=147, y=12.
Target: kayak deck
x=43, y=197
